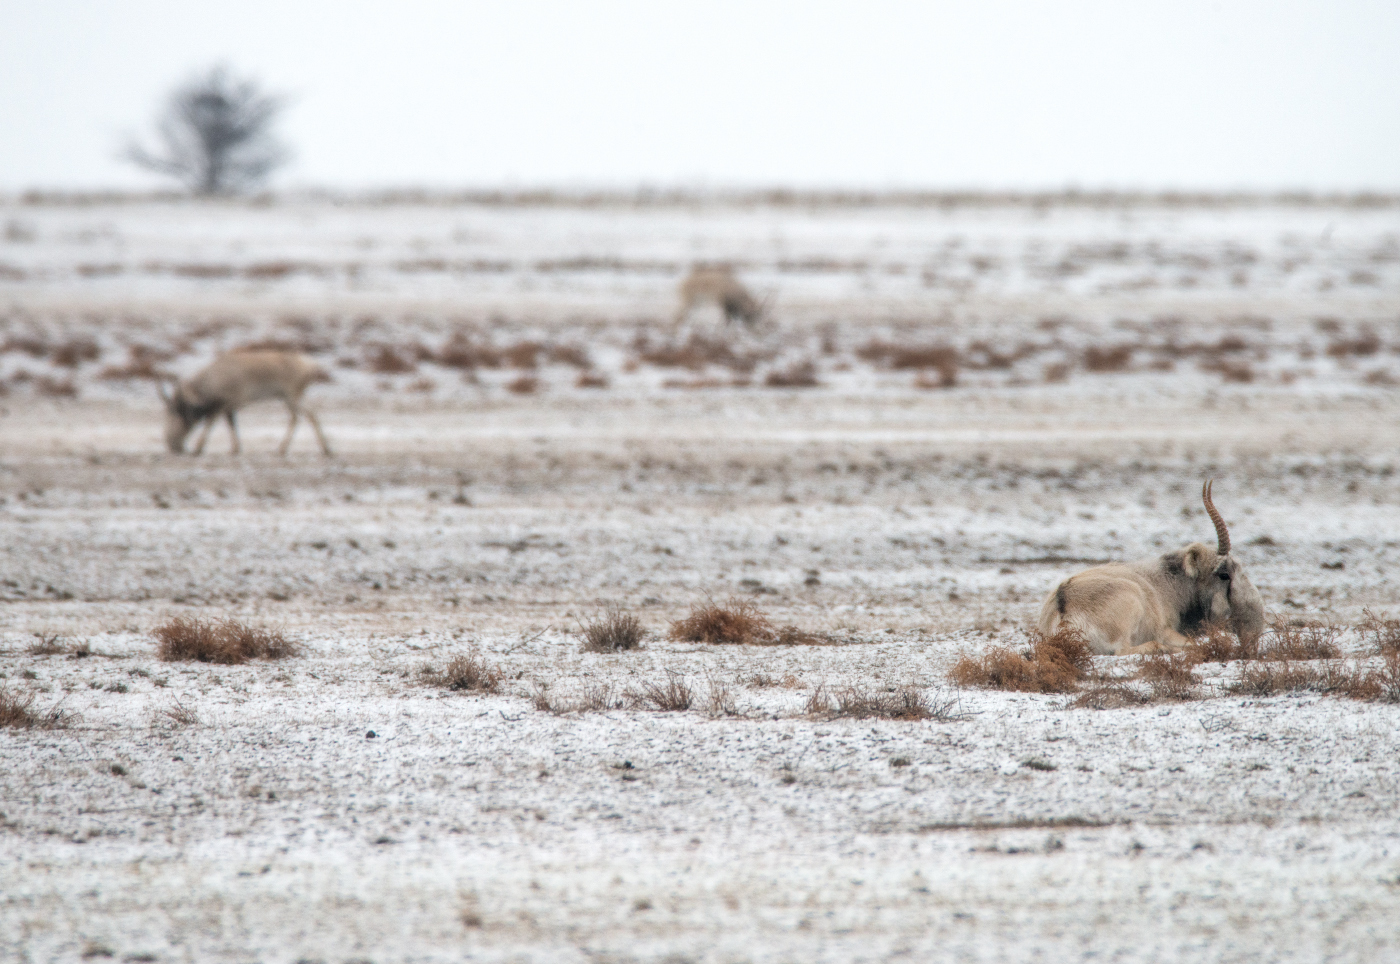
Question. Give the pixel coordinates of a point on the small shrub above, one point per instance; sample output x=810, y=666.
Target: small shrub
x=801, y=374
x=465, y=673
x=55, y=387
x=523, y=354
x=1215, y=643
x=523, y=385
x=385, y=360
x=46, y=645
x=1170, y=677
x=225, y=641
x=612, y=632
x=18, y=713
x=1056, y=372
x=75, y=351
x=1053, y=664
x=1287, y=641
x=738, y=621
x=1270, y=679
x=176, y=715
x=1115, y=358
x=589, y=379
x=891, y=703
x=571, y=355
x=1111, y=695
x=671, y=696
x=1381, y=632
x=1229, y=369
x=695, y=353
x=721, y=700
x=1365, y=344
x=461, y=351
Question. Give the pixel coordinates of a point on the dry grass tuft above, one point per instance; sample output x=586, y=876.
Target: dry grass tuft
x=1381, y=632
x=1115, y=358
x=737, y=621
x=176, y=715
x=462, y=351
x=18, y=713
x=50, y=645
x=1111, y=695
x=1215, y=643
x=612, y=632
x=695, y=353
x=386, y=360
x=1053, y=664
x=1231, y=370
x=523, y=385
x=465, y=673
x=1291, y=641
x=75, y=351
x=224, y=641
x=591, y=379
x=891, y=703
x=1170, y=677
x=671, y=696
x=801, y=374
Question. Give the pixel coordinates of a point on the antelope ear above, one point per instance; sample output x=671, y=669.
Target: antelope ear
x=1194, y=561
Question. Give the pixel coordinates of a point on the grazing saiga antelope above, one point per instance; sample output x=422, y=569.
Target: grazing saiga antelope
x=1147, y=606
x=717, y=285
x=232, y=381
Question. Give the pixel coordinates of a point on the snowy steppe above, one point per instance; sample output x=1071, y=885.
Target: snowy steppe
x=911, y=524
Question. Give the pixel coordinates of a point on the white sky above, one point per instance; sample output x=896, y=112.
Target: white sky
x=989, y=94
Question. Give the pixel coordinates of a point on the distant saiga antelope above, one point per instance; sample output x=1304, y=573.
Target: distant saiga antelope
x=1150, y=606
x=716, y=284
x=232, y=381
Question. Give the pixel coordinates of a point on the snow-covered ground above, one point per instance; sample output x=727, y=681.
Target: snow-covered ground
x=911, y=525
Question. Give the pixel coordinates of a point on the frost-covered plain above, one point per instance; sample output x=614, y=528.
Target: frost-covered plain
x=911, y=525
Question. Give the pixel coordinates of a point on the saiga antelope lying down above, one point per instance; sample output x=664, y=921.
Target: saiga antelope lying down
x=232, y=381
x=719, y=286
x=1146, y=606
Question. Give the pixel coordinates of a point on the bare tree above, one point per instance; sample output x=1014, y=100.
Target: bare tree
x=216, y=135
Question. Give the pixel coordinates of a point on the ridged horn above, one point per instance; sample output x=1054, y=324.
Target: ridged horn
x=1221, y=533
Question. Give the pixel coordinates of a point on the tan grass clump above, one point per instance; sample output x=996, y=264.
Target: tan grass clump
x=1215, y=643
x=465, y=672
x=1053, y=664
x=18, y=713
x=737, y=621
x=1170, y=677
x=1292, y=641
x=695, y=353
x=1381, y=632
x=1110, y=695
x=612, y=632
x=1114, y=358
x=523, y=385
x=801, y=374
x=225, y=641
x=672, y=695
x=890, y=703
x=386, y=360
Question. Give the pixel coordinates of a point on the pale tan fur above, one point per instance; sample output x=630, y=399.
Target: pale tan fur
x=1125, y=608
x=237, y=379
x=717, y=285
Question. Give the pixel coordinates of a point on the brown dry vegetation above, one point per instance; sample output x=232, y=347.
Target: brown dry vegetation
x=523, y=385
x=802, y=374
x=1170, y=677
x=464, y=672
x=738, y=621
x=1114, y=358
x=1381, y=632
x=612, y=632
x=695, y=353
x=890, y=703
x=1053, y=664
x=224, y=641
x=18, y=713
x=672, y=695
